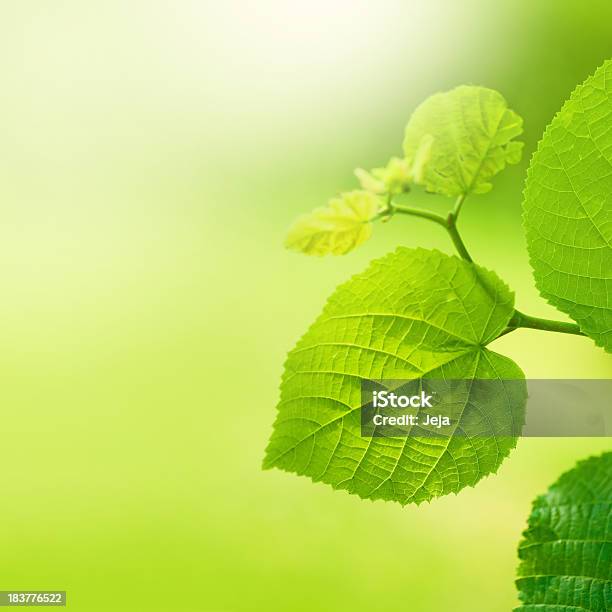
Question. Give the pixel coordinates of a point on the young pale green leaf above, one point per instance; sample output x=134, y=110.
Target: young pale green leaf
x=369, y=181
x=412, y=314
x=394, y=178
x=336, y=229
x=567, y=208
x=566, y=554
x=458, y=140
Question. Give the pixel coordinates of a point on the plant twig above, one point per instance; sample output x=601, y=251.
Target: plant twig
x=451, y=227
x=449, y=223
x=520, y=319
x=418, y=212
x=458, y=204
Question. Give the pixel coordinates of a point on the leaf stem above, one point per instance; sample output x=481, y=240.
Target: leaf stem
x=451, y=227
x=449, y=223
x=520, y=319
x=458, y=204
x=418, y=212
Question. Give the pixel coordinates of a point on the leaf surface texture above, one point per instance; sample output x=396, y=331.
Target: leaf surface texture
x=457, y=141
x=568, y=208
x=413, y=313
x=337, y=228
x=566, y=553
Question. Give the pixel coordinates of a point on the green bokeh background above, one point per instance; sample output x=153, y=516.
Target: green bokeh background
x=153, y=154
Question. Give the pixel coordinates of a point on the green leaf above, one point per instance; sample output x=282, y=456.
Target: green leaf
x=412, y=314
x=457, y=141
x=394, y=178
x=568, y=208
x=369, y=181
x=336, y=229
x=566, y=554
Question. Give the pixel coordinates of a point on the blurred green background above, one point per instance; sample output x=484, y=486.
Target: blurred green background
x=153, y=154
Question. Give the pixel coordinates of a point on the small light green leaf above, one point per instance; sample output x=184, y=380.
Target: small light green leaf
x=394, y=178
x=336, y=229
x=369, y=182
x=457, y=141
x=567, y=209
x=410, y=315
x=566, y=554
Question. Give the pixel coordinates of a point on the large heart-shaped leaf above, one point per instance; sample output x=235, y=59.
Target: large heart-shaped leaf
x=458, y=140
x=566, y=556
x=412, y=314
x=568, y=208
